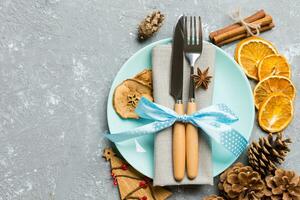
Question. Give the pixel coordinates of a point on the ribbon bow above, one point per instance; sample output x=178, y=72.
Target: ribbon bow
x=214, y=120
x=237, y=17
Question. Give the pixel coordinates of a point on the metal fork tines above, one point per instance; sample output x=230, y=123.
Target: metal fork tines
x=192, y=45
x=192, y=50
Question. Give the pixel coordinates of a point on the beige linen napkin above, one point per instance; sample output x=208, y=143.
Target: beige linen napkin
x=161, y=68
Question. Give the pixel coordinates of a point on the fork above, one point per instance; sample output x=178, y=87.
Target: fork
x=192, y=51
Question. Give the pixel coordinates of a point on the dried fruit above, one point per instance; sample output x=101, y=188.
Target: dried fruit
x=150, y=25
x=273, y=84
x=249, y=52
x=132, y=100
x=265, y=154
x=144, y=77
x=275, y=113
x=274, y=65
x=127, y=95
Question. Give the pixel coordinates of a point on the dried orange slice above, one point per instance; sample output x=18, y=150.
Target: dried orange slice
x=270, y=85
x=249, y=52
x=273, y=65
x=275, y=113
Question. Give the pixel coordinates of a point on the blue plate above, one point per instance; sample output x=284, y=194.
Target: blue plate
x=231, y=87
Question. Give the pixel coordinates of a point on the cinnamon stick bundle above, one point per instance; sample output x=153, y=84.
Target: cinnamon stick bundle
x=238, y=31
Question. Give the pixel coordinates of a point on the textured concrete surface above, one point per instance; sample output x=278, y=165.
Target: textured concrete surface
x=58, y=59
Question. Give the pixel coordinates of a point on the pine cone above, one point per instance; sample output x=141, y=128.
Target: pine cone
x=283, y=185
x=267, y=152
x=241, y=183
x=213, y=197
x=150, y=25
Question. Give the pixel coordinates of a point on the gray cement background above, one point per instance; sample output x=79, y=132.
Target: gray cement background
x=58, y=59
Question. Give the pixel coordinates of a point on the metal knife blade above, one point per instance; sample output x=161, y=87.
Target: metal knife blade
x=177, y=61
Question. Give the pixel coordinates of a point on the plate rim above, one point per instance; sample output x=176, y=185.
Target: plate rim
x=161, y=41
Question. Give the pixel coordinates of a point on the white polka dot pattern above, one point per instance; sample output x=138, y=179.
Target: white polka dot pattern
x=224, y=108
x=214, y=120
x=234, y=142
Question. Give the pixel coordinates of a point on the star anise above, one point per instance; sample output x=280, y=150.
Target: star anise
x=202, y=78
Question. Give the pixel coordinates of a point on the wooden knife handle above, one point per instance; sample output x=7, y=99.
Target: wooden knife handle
x=179, y=146
x=192, y=145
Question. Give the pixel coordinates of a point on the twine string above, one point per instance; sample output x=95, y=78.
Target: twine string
x=128, y=196
x=238, y=18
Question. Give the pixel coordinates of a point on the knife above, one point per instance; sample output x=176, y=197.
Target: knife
x=176, y=91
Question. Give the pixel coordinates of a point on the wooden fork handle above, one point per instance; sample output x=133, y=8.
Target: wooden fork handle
x=192, y=145
x=179, y=146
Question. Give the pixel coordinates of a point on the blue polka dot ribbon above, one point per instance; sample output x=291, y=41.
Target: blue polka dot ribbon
x=214, y=120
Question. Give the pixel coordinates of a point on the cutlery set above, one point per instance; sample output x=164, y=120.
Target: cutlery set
x=188, y=44
x=182, y=155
